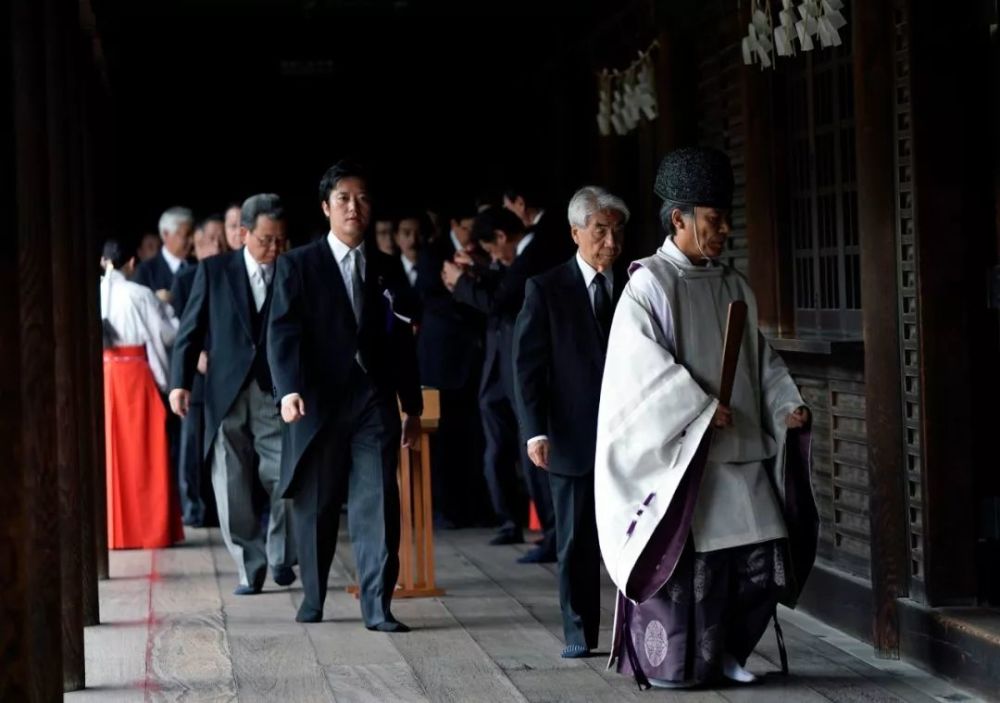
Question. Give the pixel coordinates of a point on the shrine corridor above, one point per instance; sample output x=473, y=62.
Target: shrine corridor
x=172, y=630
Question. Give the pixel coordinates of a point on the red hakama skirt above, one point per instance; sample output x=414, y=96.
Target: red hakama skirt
x=143, y=507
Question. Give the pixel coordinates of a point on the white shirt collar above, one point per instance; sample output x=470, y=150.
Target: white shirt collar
x=172, y=261
x=407, y=264
x=454, y=241
x=538, y=216
x=252, y=264
x=525, y=241
x=341, y=250
x=589, y=272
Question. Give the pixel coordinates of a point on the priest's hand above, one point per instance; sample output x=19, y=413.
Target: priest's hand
x=450, y=273
x=798, y=418
x=411, y=431
x=723, y=417
x=293, y=408
x=538, y=452
x=203, y=363
x=180, y=400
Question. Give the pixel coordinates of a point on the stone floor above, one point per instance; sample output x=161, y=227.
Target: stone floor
x=174, y=631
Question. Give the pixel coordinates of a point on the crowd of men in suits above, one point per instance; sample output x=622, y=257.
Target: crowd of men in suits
x=298, y=374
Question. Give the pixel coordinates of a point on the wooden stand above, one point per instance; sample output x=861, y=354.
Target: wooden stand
x=416, y=544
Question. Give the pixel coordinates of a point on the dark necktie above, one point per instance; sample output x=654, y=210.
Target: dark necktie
x=602, y=305
x=356, y=286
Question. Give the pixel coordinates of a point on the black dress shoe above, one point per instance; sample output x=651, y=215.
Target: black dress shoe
x=308, y=614
x=283, y=575
x=538, y=555
x=507, y=537
x=388, y=626
x=246, y=590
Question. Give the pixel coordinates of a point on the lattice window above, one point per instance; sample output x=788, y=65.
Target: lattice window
x=826, y=265
x=906, y=235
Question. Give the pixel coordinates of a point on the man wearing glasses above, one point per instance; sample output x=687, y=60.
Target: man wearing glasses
x=229, y=304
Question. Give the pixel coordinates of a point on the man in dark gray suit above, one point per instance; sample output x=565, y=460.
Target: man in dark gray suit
x=230, y=299
x=341, y=350
x=560, y=341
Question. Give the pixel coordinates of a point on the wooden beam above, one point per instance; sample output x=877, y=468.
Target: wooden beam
x=36, y=459
x=874, y=102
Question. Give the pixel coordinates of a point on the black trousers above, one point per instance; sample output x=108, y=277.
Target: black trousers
x=579, y=557
x=355, y=454
x=459, y=486
x=501, y=455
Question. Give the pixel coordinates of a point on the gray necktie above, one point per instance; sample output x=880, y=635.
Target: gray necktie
x=356, y=285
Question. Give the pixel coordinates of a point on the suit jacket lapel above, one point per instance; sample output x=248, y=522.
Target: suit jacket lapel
x=236, y=273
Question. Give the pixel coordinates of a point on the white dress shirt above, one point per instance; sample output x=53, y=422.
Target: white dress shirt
x=260, y=277
x=589, y=274
x=410, y=269
x=454, y=241
x=172, y=261
x=139, y=319
x=523, y=244
x=345, y=256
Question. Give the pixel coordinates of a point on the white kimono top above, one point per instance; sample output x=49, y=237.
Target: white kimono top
x=139, y=319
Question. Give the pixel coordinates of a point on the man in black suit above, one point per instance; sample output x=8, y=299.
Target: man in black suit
x=230, y=300
x=522, y=198
x=450, y=351
x=499, y=293
x=560, y=342
x=341, y=356
x=209, y=236
x=157, y=273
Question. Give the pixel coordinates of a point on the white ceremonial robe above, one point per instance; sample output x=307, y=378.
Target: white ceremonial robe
x=657, y=400
x=139, y=319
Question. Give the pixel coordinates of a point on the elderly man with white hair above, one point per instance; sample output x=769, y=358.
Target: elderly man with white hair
x=560, y=342
x=176, y=230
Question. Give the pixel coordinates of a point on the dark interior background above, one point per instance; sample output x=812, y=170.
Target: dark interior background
x=218, y=99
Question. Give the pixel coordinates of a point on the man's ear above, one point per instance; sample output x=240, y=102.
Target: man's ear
x=501, y=237
x=677, y=219
x=326, y=207
x=244, y=233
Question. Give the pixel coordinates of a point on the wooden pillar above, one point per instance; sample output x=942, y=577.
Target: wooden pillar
x=35, y=459
x=83, y=282
x=874, y=91
x=16, y=673
x=949, y=53
x=96, y=148
x=63, y=228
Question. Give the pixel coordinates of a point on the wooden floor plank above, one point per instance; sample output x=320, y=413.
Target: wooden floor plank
x=447, y=661
x=360, y=666
x=188, y=652
x=173, y=630
x=273, y=658
x=534, y=587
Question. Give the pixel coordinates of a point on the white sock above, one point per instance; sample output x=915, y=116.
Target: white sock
x=732, y=670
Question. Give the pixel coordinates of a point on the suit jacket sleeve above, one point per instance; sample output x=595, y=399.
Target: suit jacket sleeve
x=284, y=333
x=191, y=335
x=493, y=292
x=532, y=359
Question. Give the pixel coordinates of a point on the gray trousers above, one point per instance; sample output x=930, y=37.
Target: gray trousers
x=354, y=455
x=248, y=440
